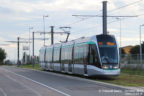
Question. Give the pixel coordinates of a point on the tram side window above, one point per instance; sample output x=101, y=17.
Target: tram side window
x=49, y=55
x=56, y=55
x=62, y=55
x=69, y=55
x=66, y=55
x=93, y=57
x=93, y=54
x=81, y=54
x=42, y=56
x=85, y=54
x=46, y=57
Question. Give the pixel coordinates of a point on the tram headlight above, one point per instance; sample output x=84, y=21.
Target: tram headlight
x=105, y=67
x=115, y=67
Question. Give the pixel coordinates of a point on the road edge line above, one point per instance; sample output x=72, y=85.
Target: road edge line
x=39, y=83
x=79, y=78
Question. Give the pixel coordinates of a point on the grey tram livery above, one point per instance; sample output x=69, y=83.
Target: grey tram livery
x=90, y=56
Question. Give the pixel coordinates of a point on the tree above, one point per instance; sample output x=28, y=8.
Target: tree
x=122, y=51
x=136, y=49
x=2, y=55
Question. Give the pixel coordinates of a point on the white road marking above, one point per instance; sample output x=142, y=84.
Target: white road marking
x=23, y=85
x=79, y=78
x=39, y=83
x=3, y=92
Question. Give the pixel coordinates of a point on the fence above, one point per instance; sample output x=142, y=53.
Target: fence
x=131, y=61
x=29, y=59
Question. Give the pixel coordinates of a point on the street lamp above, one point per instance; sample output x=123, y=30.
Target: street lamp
x=18, y=48
x=120, y=33
x=29, y=39
x=44, y=26
x=140, y=45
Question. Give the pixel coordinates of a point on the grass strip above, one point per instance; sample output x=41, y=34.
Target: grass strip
x=126, y=78
x=133, y=71
x=30, y=66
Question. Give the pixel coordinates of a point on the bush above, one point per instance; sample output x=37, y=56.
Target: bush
x=2, y=55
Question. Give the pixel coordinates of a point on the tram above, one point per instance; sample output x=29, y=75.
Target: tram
x=88, y=56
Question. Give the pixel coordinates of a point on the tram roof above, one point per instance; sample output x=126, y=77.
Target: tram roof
x=79, y=40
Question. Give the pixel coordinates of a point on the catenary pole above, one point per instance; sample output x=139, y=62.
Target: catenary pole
x=18, y=61
x=33, y=49
x=105, y=17
x=52, y=35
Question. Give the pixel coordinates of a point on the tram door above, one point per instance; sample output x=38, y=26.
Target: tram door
x=85, y=68
x=71, y=50
x=70, y=67
x=62, y=59
x=45, y=61
x=85, y=57
x=63, y=67
x=51, y=61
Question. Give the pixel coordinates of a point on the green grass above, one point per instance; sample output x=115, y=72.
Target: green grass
x=1, y=64
x=36, y=66
x=126, y=78
x=133, y=71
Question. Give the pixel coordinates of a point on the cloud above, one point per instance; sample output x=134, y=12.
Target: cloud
x=113, y=30
x=5, y=10
x=59, y=5
x=17, y=15
x=19, y=8
x=28, y=7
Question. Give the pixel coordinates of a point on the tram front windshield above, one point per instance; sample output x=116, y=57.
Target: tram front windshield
x=108, y=49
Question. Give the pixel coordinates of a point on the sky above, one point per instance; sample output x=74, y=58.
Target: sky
x=17, y=16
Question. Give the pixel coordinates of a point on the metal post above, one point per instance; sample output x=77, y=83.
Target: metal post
x=120, y=42
x=18, y=61
x=105, y=17
x=44, y=28
x=120, y=36
x=67, y=37
x=140, y=46
x=68, y=32
x=52, y=35
x=33, y=50
x=29, y=43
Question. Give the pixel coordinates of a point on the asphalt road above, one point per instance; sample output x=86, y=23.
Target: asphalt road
x=25, y=82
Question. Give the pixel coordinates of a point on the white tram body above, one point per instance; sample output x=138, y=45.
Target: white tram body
x=88, y=56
